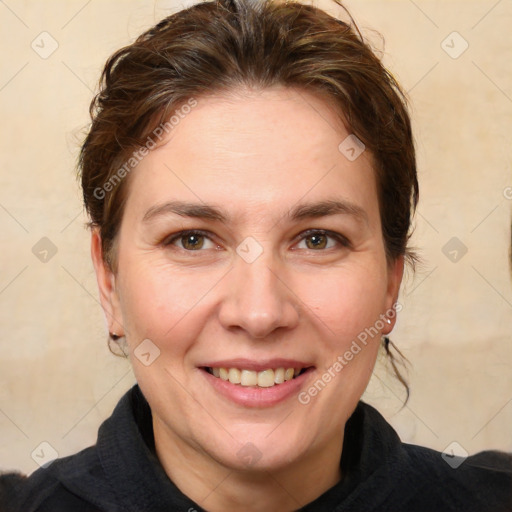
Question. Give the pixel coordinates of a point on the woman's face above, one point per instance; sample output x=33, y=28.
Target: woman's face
x=287, y=268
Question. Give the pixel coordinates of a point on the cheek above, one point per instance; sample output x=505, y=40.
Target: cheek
x=346, y=302
x=163, y=303
x=171, y=306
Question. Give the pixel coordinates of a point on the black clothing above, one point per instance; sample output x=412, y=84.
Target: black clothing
x=121, y=473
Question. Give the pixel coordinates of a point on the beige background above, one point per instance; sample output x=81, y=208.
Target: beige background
x=58, y=380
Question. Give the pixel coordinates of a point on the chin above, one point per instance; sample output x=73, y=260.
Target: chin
x=257, y=450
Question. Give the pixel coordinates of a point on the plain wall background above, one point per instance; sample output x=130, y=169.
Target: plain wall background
x=58, y=379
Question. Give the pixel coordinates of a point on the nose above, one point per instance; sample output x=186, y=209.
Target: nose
x=258, y=299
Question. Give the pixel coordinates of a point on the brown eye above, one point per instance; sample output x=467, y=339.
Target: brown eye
x=190, y=241
x=317, y=241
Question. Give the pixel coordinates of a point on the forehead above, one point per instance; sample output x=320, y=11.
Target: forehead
x=255, y=149
x=262, y=126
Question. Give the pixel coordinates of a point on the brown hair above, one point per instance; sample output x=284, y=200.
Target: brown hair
x=219, y=46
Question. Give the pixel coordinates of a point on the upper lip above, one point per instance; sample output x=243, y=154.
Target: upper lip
x=257, y=366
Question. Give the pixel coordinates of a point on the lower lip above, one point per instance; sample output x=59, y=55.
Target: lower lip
x=253, y=396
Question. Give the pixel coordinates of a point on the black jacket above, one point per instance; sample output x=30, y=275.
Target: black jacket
x=122, y=474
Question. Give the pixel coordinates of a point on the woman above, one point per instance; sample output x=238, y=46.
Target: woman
x=250, y=177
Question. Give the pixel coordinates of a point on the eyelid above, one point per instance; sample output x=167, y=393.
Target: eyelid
x=169, y=240
x=342, y=240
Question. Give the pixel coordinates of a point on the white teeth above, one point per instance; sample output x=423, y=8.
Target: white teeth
x=264, y=379
x=234, y=376
x=279, y=376
x=249, y=378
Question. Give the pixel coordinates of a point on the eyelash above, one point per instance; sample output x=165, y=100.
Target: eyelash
x=343, y=241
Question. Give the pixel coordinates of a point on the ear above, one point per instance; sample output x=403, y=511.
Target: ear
x=395, y=274
x=107, y=286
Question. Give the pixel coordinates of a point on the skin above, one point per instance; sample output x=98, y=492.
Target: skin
x=256, y=155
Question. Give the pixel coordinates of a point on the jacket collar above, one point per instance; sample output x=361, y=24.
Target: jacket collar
x=125, y=450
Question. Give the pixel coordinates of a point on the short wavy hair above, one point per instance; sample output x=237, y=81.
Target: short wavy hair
x=220, y=46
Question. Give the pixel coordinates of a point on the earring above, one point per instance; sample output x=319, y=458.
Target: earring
x=117, y=344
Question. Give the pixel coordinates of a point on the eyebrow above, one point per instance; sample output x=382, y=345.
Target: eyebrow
x=300, y=212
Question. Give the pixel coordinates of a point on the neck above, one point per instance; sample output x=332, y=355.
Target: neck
x=218, y=488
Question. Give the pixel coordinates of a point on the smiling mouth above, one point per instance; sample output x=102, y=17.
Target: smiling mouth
x=264, y=379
